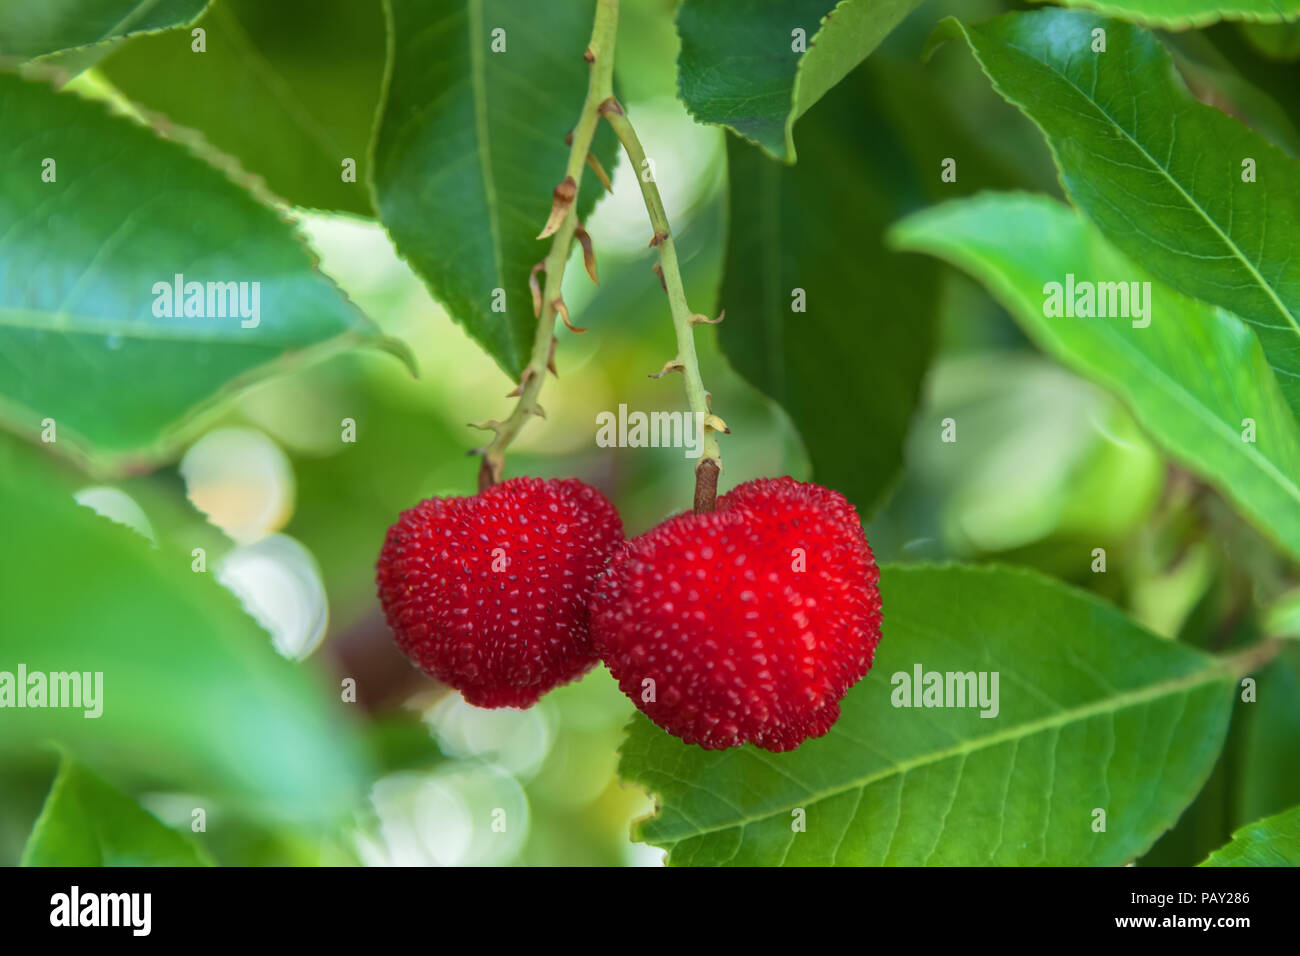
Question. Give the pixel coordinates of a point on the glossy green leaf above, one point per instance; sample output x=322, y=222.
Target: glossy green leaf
x=1273, y=841
x=289, y=88
x=86, y=262
x=1088, y=704
x=192, y=696
x=1193, y=377
x=820, y=316
x=1182, y=14
x=756, y=66
x=88, y=822
x=471, y=147
x=1160, y=173
x=31, y=28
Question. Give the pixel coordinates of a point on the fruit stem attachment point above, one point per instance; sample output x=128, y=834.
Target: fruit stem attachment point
x=706, y=485
x=485, y=477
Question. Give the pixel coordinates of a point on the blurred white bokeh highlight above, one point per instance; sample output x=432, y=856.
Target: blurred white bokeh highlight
x=241, y=480
x=465, y=813
x=516, y=740
x=279, y=583
x=643, y=854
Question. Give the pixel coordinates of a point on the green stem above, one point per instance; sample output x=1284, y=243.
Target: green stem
x=683, y=319
x=600, y=87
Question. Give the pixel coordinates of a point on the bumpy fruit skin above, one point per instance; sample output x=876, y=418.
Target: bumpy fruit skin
x=501, y=626
x=741, y=645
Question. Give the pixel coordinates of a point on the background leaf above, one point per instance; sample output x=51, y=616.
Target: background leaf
x=867, y=330
x=1192, y=377
x=1275, y=41
x=194, y=697
x=1283, y=617
x=738, y=66
x=1183, y=211
x=471, y=146
x=33, y=29
x=1087, y=701
x=1269, y=780
x=1181, y=14
x=291, y=88
x=88, y=822
x=79, y=258
x=1221, y=69
x=1273, y=841
x=1279, y=80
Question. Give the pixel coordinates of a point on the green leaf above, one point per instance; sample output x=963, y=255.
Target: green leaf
x=1267, y=779
x=743, y=67
x=192, y=695
x=1093, y=713
x=1192, y=377
x=1275, y=42
x=1182, y=14
x=290, y=88
x=82, y=260
x=1206, y=822
x=1273, y=841
x=1283, y=617
x=88, y=822
x=848, y=365
x=471, y=146
x=29, y=29
x=1160, y=173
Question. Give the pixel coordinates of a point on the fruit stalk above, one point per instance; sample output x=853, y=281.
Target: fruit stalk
x=600, y=87
x=710, y=463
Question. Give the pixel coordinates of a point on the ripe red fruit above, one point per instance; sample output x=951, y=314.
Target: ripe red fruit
x=489, y=594
x=744, y=639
